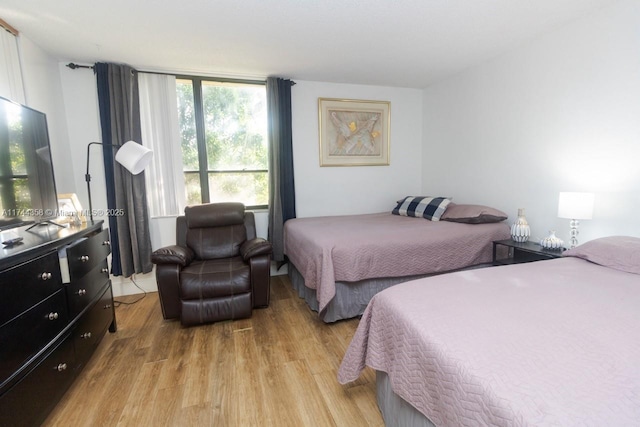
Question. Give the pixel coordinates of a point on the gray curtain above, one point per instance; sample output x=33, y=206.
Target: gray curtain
x=126, y=193
x=282, y=202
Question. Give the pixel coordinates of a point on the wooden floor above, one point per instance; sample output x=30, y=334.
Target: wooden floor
x=277, y=368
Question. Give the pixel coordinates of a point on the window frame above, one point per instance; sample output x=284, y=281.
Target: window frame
x=203, y=167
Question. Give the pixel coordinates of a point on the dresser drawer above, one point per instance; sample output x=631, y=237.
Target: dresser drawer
x=92, y=326
x=30, y=400
x=23, y=337
x=27, y=284
x=82, y=291
x=85, y=255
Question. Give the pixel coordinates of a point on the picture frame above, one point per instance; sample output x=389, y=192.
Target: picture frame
x=354, y=132
x=68, y=207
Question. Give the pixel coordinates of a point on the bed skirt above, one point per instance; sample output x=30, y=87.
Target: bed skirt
x=351, y=297
x=395, y=410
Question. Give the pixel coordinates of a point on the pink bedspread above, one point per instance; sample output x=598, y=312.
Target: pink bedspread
x=357, y=247
x=547, y=343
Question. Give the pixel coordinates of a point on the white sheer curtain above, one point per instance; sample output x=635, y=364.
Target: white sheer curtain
x=10, y=72
x=160, y=132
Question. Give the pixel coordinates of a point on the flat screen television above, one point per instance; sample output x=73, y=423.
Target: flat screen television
x=27, y=185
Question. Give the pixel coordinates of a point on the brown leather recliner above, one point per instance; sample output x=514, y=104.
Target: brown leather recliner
x=218, y=270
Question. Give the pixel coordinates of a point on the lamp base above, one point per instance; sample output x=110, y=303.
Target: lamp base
x=573, y=227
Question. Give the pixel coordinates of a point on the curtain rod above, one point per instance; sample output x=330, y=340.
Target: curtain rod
x=74, y=66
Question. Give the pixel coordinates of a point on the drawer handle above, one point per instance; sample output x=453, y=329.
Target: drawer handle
x=108, y=306
x=82, y=291
x=45, y=276
x=104, y=270
x=61, y=367
x=52, y=316
x=86, y=335
x=84, y=258
x=106, y=243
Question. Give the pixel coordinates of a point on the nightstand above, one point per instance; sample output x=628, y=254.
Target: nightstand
x=509, y=252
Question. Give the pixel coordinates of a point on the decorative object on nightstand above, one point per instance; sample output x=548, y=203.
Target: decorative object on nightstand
x=552, y=241
x=575, y=206
x=520, y=230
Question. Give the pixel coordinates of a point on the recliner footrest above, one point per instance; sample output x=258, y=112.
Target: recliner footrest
x=196, y=311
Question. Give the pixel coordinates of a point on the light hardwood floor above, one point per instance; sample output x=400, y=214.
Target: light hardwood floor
x=277, y=368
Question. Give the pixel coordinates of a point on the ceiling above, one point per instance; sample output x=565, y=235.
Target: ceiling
x=401, y=43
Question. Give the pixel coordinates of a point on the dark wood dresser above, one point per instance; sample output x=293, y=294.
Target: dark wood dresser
x=56, y=304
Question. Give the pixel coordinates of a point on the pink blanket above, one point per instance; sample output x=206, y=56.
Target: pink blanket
x=547, y=343
x=357, y=247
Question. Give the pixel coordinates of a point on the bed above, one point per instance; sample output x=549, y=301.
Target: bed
x=546, y=343
x=337, y=263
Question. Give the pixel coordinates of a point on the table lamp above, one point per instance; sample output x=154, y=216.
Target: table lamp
x=575, y=206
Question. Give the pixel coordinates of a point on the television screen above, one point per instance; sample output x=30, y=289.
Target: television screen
x=27, y=184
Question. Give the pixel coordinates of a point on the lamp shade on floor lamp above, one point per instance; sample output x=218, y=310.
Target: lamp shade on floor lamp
x=132, y=156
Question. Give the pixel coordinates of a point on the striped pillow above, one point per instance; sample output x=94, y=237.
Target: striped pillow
x=430, y=208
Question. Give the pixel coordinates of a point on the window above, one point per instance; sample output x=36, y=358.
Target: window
x=223, y=126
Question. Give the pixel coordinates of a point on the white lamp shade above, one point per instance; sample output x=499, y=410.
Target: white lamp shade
x=134, y=157
x=572, y=205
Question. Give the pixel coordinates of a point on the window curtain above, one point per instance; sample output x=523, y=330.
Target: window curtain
x=161, y=133
x=11, y=85
x=120, y=121
x=282, y=202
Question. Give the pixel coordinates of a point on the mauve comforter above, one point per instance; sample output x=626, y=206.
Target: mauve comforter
x=550, y=343
x=356, y=247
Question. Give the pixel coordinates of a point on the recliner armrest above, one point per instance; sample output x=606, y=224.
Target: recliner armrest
x=255, y=247
x=173, y=254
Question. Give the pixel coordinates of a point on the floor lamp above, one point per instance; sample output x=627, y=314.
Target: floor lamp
x=132, y=156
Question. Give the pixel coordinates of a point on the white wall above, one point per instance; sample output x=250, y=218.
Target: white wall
x=559, y=114
x=83, y=124
x=355, y=189
x=43, y=93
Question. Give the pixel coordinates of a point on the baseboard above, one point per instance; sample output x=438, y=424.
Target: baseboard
x=136, y=284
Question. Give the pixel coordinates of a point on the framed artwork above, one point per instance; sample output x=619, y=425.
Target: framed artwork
x=69, y=208
x=353, y=132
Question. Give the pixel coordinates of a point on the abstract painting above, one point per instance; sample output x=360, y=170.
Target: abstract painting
x=353, y=132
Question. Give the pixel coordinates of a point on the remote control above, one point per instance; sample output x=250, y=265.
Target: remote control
x=11, y=242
